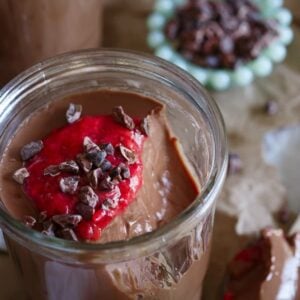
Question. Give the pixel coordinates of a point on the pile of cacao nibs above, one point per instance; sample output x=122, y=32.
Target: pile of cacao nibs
x=88, y=173
x=220, y=34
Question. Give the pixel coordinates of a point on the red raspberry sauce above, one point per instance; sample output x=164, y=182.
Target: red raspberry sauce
x=64, y=144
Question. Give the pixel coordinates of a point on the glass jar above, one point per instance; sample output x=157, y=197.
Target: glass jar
x=168, y=263
x=34, y=30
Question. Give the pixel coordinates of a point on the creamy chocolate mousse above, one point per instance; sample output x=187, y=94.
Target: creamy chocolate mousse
x=268, y=269
x=166, y=187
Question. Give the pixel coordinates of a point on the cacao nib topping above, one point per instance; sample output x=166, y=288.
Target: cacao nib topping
x=69, y=185
x=95, y=176
x=220, y=34
x=121, y=117
x=108, y=148
x=109, y=204
x=271, y=108
x=69, y=166
x=97, y=157
x=85, y=211
x=144, y=126
x=125, y=172
x=84, y=163
x=89, y=146
x=106, y=165
x=128, y=154
x=115, y=174
x=31, y=149
x=67, y=234
x=52, y=170
x=88, y=196
x=67, y=220
x=106, y=184
x=29, y=221
x=20, y=175
x=235, y=164
x=73, y=113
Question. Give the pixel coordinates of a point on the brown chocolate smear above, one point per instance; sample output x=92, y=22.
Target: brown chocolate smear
x=69, y=185
x=69, y=166
x=67, y=220
x=52, y=170
x=121, y=117
x=84, y=163
x=31, y=149
x=73, y=113
x=20, y=175
x=128, y=154
x=88, y=196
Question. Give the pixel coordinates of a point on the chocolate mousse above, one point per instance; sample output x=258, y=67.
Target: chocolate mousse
x=114, y=175
x=268, y=269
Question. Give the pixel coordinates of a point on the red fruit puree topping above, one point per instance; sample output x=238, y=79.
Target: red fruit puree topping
x=83, y=175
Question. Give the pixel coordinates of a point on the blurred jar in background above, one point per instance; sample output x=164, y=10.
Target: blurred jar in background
x=32, y=30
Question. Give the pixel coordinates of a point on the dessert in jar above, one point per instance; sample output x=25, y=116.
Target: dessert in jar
x=109, y=177
x=35, y=30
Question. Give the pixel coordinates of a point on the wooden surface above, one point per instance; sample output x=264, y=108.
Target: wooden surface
x=124, y=27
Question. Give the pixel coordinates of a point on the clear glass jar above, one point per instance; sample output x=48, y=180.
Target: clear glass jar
x=33, y=30
x=168, y=263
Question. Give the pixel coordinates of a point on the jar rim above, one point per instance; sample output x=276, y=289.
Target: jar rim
x=148, y=241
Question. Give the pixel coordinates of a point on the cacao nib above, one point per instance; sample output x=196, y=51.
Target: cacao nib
x=69, y=166
x=52, y=170
x=20, y=175
x=84, y=163
x=67, y=220
x=29, y=221
x=88, y=196
x=108, y=148
x=67, y=234
x=85, y=211
x=121, y=117
x=73, y=113
x=31, y=149
x=144, y=126
x=69, y=185
x=106, y=184
x=128, y=154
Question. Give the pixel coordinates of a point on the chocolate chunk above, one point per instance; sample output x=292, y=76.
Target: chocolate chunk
x=69, y=185
x=69, y=166
x=271, y=108
x=94, y=177
x=73, y=113
x=84, y=163
x=106, y=165
x=108, y=148
x=88, y=196
x=235, y=164
x=144, y=126
x=125, y=172
x=29, y=221
x=20, y=175
x=31, y=149
x=121, y=117
x=67, y=234
x=97, y=157
x=52, y=170
x=85, y=211
x=67, y=220
x=89, y=146
x=107, y=184
x=128, y=154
